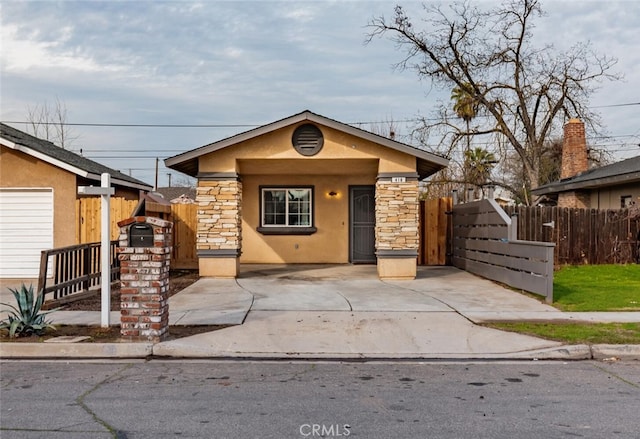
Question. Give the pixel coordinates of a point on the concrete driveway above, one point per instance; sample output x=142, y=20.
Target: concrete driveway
x=341, y=312
x=346, y=311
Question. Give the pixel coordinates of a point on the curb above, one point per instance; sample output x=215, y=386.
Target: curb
x=46, y=351
x=75, y=350
x=615, y=352
x=569, y=352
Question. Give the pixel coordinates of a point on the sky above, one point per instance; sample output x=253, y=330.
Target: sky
x=239, y=64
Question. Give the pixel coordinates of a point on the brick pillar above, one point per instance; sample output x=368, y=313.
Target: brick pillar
x=574, y=150
x=219, y=231
x=144, y=280
x=397, y=225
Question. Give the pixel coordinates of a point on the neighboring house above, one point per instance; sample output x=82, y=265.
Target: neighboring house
x=307, y=189
x=613, y=186
x=178, y=195
x=38, y=191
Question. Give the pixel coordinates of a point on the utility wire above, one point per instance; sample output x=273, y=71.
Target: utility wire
x=141, y=125
x=137, y=125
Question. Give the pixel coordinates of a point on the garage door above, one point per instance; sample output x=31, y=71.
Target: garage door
x=26, y=228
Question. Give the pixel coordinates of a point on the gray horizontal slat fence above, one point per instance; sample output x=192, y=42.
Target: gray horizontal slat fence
x=582, y=236
x=485, y=244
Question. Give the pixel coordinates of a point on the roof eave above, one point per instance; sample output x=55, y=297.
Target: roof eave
x=48, y=159
x=187, y=162
x=554, y=188
x=67, y=167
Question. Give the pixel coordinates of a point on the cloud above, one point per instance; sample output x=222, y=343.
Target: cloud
x=244, y=62
x=34, y=56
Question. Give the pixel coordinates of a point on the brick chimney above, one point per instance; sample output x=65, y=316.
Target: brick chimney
x=574, y=150
x=574, y=162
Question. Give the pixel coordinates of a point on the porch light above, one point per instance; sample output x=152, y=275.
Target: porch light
x=333, y=193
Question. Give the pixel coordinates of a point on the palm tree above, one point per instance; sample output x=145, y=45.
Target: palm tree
x=466, y=107
x=479, y=163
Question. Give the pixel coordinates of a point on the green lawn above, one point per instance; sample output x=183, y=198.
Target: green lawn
x=589, y=288
x=575, y=332
x=597, y=288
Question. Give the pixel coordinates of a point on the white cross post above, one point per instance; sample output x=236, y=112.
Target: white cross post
x=105, y=191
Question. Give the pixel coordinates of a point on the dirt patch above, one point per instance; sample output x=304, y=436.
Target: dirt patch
x=178, y=280
x=97, y=334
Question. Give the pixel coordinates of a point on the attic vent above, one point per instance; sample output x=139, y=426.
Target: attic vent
x=307, y=139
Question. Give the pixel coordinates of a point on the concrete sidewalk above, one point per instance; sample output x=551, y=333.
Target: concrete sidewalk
x=346, y=312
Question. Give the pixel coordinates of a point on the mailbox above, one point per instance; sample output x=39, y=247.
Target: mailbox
x=141, y=235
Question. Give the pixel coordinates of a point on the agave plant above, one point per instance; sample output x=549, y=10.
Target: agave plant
x=27, y=318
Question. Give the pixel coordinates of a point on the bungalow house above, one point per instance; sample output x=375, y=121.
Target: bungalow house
x=38, y=191
x=614, y=186
x=307, y=189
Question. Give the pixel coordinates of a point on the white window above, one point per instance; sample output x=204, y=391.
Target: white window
x=286, y=207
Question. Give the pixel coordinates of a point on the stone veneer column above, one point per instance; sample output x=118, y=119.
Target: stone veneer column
x=397, y=225
x=219, y=232
x=144, y=281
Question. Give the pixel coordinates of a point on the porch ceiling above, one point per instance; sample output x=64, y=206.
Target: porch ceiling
x=306, y=166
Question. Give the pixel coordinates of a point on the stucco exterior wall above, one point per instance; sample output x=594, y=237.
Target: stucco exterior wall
x=330, y=244
x=120, y=192
x=23, y=171
x=277, y=146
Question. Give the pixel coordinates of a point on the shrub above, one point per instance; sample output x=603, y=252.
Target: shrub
x=27, y=318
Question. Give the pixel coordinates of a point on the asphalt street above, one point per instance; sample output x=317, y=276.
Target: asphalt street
x=236, y=399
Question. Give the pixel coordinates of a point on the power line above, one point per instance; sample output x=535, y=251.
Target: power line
x=180, y=151
x=140, y=125
x=617, y=105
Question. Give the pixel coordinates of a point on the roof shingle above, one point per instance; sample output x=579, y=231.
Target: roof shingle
x=70, y=158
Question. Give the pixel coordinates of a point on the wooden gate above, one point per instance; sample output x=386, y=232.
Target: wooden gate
x=184, y=256
x=435, y=232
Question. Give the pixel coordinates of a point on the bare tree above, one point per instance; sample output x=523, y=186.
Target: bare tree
x=50, y=123
x=387, y=128
x=523, y=93
x=183, y=180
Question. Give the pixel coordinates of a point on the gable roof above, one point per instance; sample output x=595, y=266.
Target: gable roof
x=187, y=162
x=624, y=172
x=173, y=192
x=63, y=158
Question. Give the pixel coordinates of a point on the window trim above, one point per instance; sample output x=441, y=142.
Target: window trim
x=286, y=229
x=626, y=201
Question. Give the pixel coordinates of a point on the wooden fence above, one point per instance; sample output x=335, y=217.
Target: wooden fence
x=582, y=236
x=182, y=215
x=484, y=244
x=89, y=219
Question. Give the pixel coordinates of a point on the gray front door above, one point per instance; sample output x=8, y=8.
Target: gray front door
x=362, y=219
